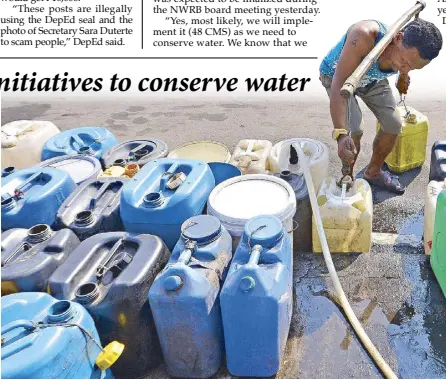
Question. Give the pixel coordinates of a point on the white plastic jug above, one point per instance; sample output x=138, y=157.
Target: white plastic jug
x=251, y=156
x=433, y=190
x=346, y=217
x=281, y=158
x=22, y=142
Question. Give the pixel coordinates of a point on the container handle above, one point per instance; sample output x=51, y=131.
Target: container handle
x=22, y=247
x=75, y=139
x=254, y=256
x=103, y=266
x=102, y=191
x=24, y=323
x=20, y=344
x=141, y=146
x=18, y=192
x=165, y=177
x=189, y=248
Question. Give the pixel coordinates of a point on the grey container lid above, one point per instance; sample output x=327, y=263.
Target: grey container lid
x=80, y=168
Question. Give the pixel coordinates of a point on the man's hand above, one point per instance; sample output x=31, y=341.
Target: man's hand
x=347, y=149
x=403, y=83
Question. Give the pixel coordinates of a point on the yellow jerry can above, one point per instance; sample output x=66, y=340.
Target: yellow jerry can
x=347, y=217
x=410, y=150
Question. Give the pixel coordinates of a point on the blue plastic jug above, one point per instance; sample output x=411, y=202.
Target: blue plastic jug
x=92, y=141
x=163, y=195
x=29, y=257
x=93, y=208
x=45, y=338
x=184, y=299
x=33, y=196
x=256, y=299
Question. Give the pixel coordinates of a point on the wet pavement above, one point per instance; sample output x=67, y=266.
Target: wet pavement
x=392, y=289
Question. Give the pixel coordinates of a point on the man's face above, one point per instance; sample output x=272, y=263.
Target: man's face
x=406, y=59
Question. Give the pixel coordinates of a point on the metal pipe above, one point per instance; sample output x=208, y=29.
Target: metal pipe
x=354, y=80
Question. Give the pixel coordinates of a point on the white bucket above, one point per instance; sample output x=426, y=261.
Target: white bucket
x=207, y=151
x=315, y=151
x=239, y=199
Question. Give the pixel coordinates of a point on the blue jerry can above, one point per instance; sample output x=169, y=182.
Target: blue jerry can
x=29, y=257
x=33, y=196
x=92, y=141
x=184, y=299
x=38, y=343
x=163, y=195
x=256, y=299
x=93, y=208
x=111, y=274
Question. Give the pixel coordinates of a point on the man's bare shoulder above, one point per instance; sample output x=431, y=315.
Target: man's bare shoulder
x=363, y=33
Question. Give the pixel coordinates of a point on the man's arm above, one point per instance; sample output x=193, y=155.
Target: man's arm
x=360, y=41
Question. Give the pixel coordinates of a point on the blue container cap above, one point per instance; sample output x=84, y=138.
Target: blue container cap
x=269, y=235
x=201, y=228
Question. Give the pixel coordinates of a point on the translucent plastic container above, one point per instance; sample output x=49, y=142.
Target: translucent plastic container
x=347, y=219
x=207, y=151
x=433, y=190
x=284, y=157
x=251, y=156
x=410, y=150
x=22, y=142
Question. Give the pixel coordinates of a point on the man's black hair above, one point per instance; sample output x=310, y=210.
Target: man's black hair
x=425, y=37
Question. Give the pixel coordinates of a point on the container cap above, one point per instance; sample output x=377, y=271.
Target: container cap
x=201, y=228
x=267, y=236
x=80, y=168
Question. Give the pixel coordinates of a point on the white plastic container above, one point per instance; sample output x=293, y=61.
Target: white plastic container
x=433, y=190
x=251, y=156
x=22, y=142
x=347, y=219
x=316, y=152
x=241, y=198
x=207, y=151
